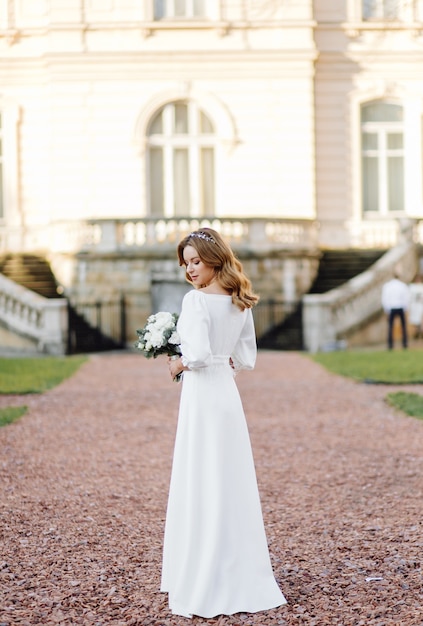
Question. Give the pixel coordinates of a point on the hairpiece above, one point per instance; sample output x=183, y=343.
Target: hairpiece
x=203, y=236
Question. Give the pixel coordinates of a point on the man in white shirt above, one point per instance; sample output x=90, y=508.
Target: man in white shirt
x=395, y=301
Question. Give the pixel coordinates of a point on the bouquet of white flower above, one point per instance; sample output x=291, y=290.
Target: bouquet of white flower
x=159, y=336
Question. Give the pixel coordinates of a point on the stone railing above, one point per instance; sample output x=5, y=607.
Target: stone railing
x=116, y=235
x=251, y=233
x=258, y=234
x=61, y=236
x=29, y=321
x=331, y=316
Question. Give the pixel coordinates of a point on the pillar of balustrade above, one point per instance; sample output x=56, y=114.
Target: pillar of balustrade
x=318, y=328
x=54, y=327
x=109, y=236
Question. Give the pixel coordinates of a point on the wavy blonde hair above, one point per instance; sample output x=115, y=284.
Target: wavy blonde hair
x=216, y=253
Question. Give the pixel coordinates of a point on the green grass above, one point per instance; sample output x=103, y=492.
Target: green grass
x=35, y=375
x=378, y=366
x=381, y=366
x=11, y=414
x=409, y=403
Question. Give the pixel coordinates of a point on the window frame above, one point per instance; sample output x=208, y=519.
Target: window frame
x=382, y=153
x=380, y=7
x=2, y=180
x=193, y=141
x=11, y=209
x=169, y=10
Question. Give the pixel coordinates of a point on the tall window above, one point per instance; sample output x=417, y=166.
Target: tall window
x=1, y=170
x=179, y=8
x=181, y=161
x=382, y=9
x=382, y=138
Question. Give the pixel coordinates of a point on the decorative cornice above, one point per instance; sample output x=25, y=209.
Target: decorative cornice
x=147, y=28
x=353, y=30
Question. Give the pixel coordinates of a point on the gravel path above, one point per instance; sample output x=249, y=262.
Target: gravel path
x=85, y=474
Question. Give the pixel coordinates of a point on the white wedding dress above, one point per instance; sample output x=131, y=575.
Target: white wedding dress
x=215, y=558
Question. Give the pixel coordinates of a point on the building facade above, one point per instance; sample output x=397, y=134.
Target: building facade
x=242, y=108
x=123, y=118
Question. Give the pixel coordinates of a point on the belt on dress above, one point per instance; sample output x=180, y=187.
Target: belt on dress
x=220, y=359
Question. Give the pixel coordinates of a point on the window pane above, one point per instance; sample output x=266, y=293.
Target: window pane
x=181, y=142
x=156, y=126
x=159, y=9
x=369, y=9
x=381, y=112
x=180, y=8
x=382, y=9
x=391, y=9
x=370, y=184
x=181, y=118
x=395, y=141
x=181, y=200
x=206, y=126
x=207, y=181
x=395, y=184
x=369, y=141
x=156, y=182
x=199, y=7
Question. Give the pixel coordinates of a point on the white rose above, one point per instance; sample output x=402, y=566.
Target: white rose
x=174, y=338
x=156, y=339
x=164, y=320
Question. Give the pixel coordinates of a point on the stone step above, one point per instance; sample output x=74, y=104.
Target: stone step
x=30, y=271
x=336, y=268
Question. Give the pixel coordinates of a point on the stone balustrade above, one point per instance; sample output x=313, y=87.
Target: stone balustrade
x=329, y=317
x=116, y=235
x=29, y=321
x=153, y=234
x=257, y=234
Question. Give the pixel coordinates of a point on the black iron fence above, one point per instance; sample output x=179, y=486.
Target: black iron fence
x=279, y=325
x=271, y=313
x=96, y=326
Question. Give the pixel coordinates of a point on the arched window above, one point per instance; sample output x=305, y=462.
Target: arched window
x=382, y=143
x=181, y=161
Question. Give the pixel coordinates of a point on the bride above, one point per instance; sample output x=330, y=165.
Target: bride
x=215, y=558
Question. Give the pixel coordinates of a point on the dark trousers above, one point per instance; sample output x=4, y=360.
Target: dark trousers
x=393, y=313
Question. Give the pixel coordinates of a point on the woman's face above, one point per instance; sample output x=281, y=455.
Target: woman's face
x=199, y=272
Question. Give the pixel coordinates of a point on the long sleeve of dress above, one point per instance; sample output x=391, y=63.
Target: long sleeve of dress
x=245, y=351
x=193, y=327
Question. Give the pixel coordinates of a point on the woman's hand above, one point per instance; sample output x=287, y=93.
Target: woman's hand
x=175, y=367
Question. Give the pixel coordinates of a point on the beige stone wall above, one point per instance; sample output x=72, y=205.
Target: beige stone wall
x=361, y=61
x=376, y=333
x=12, y=342
x=87, y=81
x=147, y=282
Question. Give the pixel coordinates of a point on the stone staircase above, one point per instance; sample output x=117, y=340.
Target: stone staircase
x=30, y=271
x=336, y=268
x=34, y=273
